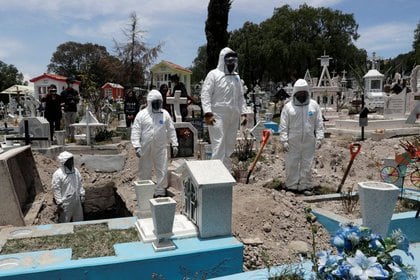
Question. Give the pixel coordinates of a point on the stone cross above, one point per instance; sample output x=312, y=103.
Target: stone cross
x=20, y=109
x=177, y=100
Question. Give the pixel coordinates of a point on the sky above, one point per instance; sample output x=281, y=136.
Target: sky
x=31, y=30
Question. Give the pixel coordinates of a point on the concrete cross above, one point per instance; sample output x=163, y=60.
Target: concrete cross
x=20, y=109
x=177, y=100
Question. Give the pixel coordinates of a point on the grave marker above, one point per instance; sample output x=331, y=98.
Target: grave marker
x=177, y=100
x=20, y=187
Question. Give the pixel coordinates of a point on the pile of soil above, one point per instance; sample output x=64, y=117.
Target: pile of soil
x=266, y=218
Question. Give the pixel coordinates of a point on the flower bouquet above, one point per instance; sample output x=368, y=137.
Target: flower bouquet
x=365, y=255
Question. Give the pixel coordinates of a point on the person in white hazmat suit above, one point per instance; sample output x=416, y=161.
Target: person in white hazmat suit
x=151, y=133
x=69, y=193
x=301, y=132
x=223, y=103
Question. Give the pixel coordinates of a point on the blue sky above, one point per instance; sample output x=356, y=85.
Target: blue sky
x=31, y=30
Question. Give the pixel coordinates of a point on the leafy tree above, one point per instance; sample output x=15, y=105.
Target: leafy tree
x=135, y=55
x=9, y=76
x=199, y=65
x=284, y=46
x=416, y=44
x=75, y=59
x=216, y=30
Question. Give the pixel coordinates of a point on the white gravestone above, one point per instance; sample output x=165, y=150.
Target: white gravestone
x=177, y=100
x=395, y=106
x=207, y=197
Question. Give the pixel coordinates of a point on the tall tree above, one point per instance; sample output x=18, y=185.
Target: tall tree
x=135, y=55
x=216, y=30
x=416, y=44
x=199, y=65
x=9, y=76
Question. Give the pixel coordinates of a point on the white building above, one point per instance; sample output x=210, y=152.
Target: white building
x=42, y=82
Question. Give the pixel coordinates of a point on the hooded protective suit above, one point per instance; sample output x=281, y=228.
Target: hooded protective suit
x=68, y=190
x=150, y=135
x=301, y=130
x=222, y=95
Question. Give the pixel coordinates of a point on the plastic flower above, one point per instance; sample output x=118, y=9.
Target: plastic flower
x=365, y=255
x=402, y=242
x=364, y=267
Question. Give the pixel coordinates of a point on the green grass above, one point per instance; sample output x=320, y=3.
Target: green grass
x=87, y=241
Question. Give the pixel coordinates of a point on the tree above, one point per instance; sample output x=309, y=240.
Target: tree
x=216, y=30
x=199, y=65
x=135, y=55
x=75, y=59
x=9, y=76
x=416, y=44
x=284, y=46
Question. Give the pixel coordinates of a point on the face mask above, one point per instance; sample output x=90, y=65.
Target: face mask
x=69, y=164
x=231, y=60
x=156, y=106
x=301, y=97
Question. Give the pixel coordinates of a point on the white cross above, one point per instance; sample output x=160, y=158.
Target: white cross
x=177, y=100
x=20, y=109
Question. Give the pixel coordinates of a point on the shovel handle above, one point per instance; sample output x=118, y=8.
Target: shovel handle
x=354, y=150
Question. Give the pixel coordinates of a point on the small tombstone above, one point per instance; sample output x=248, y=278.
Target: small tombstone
x=207, y=197
x=187, y=139
x=394, y=105
x=38, y=127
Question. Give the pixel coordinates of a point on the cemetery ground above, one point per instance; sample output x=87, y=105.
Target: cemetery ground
x=267, y=219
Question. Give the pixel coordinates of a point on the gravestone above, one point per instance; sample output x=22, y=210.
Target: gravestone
x=207, y=197
x=198, y=123
x=177, y=100
x=186, y=134
x=38, y=127
x=395, y=105
x=20, y=187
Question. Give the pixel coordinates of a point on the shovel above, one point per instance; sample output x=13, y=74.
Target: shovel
x=265, y=137
x=354, y=150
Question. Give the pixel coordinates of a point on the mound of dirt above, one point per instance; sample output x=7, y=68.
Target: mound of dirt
x=266, y=218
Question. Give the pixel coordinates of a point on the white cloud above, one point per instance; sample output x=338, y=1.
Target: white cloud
x=387, y=40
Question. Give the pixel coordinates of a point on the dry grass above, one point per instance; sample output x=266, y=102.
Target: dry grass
x=87, y=241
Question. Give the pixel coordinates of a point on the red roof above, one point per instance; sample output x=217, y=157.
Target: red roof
x=176, y=66
x=51, y=76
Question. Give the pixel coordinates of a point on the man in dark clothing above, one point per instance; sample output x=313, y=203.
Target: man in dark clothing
x=69, y=99
x=52, y=109
x=131, y=108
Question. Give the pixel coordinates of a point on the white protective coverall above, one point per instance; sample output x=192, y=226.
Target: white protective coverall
x=301, y=130
x=152, y=132
x=222, y=94
x=68, y=190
